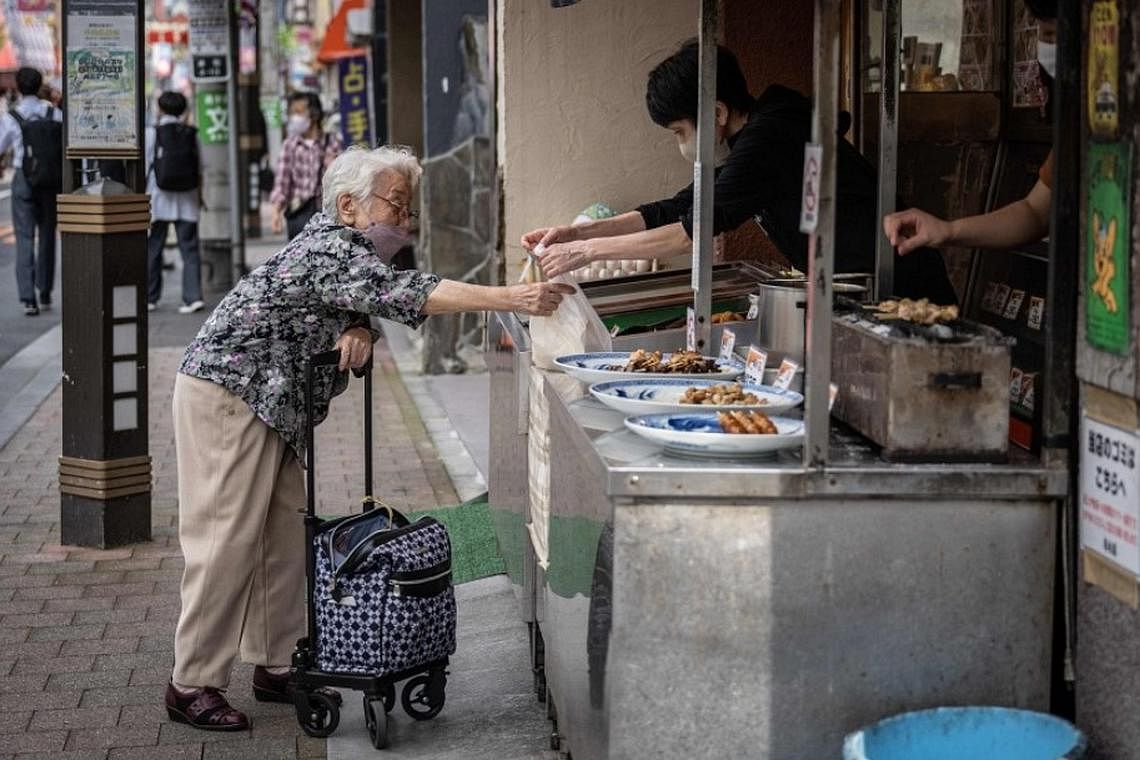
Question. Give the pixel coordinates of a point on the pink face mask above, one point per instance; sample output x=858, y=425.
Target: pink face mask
x=387, y=239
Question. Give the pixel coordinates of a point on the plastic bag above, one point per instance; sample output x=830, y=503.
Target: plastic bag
x=574, y=328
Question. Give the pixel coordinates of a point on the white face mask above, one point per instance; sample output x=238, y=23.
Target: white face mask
x=720, y=151
x=1047, y=57
x=298, y=124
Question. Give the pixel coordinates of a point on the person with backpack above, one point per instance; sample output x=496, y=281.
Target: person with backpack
x=33, y=131
x=174, y=181
x=306, y=152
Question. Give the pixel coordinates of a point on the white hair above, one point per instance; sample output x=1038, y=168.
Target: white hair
x=356, y=171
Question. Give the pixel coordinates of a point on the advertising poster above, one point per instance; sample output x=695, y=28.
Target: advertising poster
x=1107, y=249
x=101, y=83
x=1104, y=69
x=355, y=126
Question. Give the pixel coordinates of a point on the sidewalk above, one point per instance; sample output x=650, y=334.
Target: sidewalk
x=86, y=636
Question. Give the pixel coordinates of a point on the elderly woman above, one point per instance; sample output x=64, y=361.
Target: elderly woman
x=239, y=421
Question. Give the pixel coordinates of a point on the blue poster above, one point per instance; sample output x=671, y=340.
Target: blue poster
x=355, y=125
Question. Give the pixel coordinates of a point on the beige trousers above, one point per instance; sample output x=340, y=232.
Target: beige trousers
x=239, y=489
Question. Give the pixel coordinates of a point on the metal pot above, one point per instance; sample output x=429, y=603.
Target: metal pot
x=781, y=307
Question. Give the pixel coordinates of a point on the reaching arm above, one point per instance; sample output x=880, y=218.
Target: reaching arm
x=1023, y=221
x=451, y=296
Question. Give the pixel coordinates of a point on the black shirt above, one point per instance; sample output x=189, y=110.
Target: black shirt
x=763, y=178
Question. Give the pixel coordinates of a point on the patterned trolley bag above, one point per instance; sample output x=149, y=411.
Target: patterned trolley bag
x=384, y=602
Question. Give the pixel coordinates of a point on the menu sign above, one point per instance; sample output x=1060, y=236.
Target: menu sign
x=727, y=345
x=755, y=364
x=1110, y=493
x=785, y=374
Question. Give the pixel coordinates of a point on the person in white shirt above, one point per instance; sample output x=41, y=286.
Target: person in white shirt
x=33, y=198
x=174, y=181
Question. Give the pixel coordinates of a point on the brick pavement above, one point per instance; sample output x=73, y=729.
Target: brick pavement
x=86, y=636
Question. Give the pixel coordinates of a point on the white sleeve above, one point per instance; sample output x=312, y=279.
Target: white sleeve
x=8, y=131
x=148, y=148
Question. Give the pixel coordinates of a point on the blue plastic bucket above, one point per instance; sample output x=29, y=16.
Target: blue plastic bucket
x=956, y=733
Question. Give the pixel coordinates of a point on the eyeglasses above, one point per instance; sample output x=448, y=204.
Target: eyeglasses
x=403, y=211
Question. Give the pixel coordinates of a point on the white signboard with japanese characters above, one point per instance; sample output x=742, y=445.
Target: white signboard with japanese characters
x=1110, y=493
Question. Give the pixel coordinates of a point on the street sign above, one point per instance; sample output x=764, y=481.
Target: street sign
x=209, y=40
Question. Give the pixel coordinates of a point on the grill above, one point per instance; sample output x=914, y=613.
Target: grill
x=923, y=393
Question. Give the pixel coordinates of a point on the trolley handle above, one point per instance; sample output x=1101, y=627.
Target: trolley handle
x=326, y=359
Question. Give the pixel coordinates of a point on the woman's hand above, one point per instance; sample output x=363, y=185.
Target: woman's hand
x=539, y=299
x=549, y=236
x=277, y=225
x=561, y=258
x=912, y=229
x=355, y=346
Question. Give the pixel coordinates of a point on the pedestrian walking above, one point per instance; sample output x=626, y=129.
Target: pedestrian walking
x=239, y=421
x=33, y=130
x=174, y=181
x=304, y=155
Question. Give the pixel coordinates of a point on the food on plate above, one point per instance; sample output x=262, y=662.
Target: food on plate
x=750, y=423
x=687, y=362
x=921, y=311
x=726, y=316
x=720, y=395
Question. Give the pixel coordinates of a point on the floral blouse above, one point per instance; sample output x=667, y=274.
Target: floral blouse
x=325, y=281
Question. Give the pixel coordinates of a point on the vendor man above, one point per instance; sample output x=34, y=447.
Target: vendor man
x=760, y=149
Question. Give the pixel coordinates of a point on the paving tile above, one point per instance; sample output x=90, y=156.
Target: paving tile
x=168, y=752
x=80, y=717
x=157, y=643
x=90, y=579
x=39, y=741
x=10, y=635
x=122, y=695
x=117, y=736
x=179, y=733
x=67, y=632
x=43, y=700
x=147, y=600
x=48, y=591
x=56, y=664
x=271, y=748
x=133, y=563
x=33, y=649
x=100, y=646
x=20, y=684
x=132, y=661
x=78, y=604
x=15, y=722
x=86, y=617
x=37, y=620
x=117, y=588
x=102, y=679
x=82, y=754
x=143, y=715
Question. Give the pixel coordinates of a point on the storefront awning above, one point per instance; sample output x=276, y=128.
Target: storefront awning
x=335, y=44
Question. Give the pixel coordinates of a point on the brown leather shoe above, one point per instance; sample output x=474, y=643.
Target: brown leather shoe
x=270, y=688
x=204, y=708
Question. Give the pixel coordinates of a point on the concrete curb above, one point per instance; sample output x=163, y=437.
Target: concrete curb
x=28, y=378
x=457, y=459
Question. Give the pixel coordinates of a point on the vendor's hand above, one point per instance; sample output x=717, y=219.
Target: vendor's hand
x=548, y=236
x=912, y=229
x=539, y=299
x=561, y=258
x=355, y=346
x=278, y=223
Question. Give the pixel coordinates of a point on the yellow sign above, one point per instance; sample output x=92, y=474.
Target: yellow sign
x=1104, y=68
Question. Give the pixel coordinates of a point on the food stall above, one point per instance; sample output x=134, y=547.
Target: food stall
x=687, y=602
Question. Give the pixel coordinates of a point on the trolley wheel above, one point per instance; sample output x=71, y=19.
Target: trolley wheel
x=389, y=697
x=317, y=713
x=377, y=722
x=419, y=700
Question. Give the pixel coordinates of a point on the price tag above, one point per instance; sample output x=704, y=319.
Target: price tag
x=755, y=364
x=832, y=394
x=691, y=330
x=1110, y=493
x=1013, y=306
x=1036, y=313
x=785, y=374
x=727, y=345
x=1028, y=381
x=1014, y=384
x=1001, y=295
x=753, y=307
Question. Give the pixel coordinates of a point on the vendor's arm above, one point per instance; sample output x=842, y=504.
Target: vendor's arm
x=658, y=243
x=595, y=228
x=1023, y=221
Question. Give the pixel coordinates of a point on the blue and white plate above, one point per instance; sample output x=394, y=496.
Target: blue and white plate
x=658, y=396
x=592, y=368
x=701, y=434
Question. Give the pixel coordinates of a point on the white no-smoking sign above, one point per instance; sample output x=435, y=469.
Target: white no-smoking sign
x=809, y=205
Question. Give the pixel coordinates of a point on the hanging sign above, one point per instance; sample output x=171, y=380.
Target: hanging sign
x=355, y=126
x=1104, y=69
x=809, y=204
x=213, y=117
x=102, y=86
x=1110, y=493
x=209, y=41
x=1107, y=247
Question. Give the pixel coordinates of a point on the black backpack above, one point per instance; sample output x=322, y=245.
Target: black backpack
x=43, y=150
x=176, y=163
